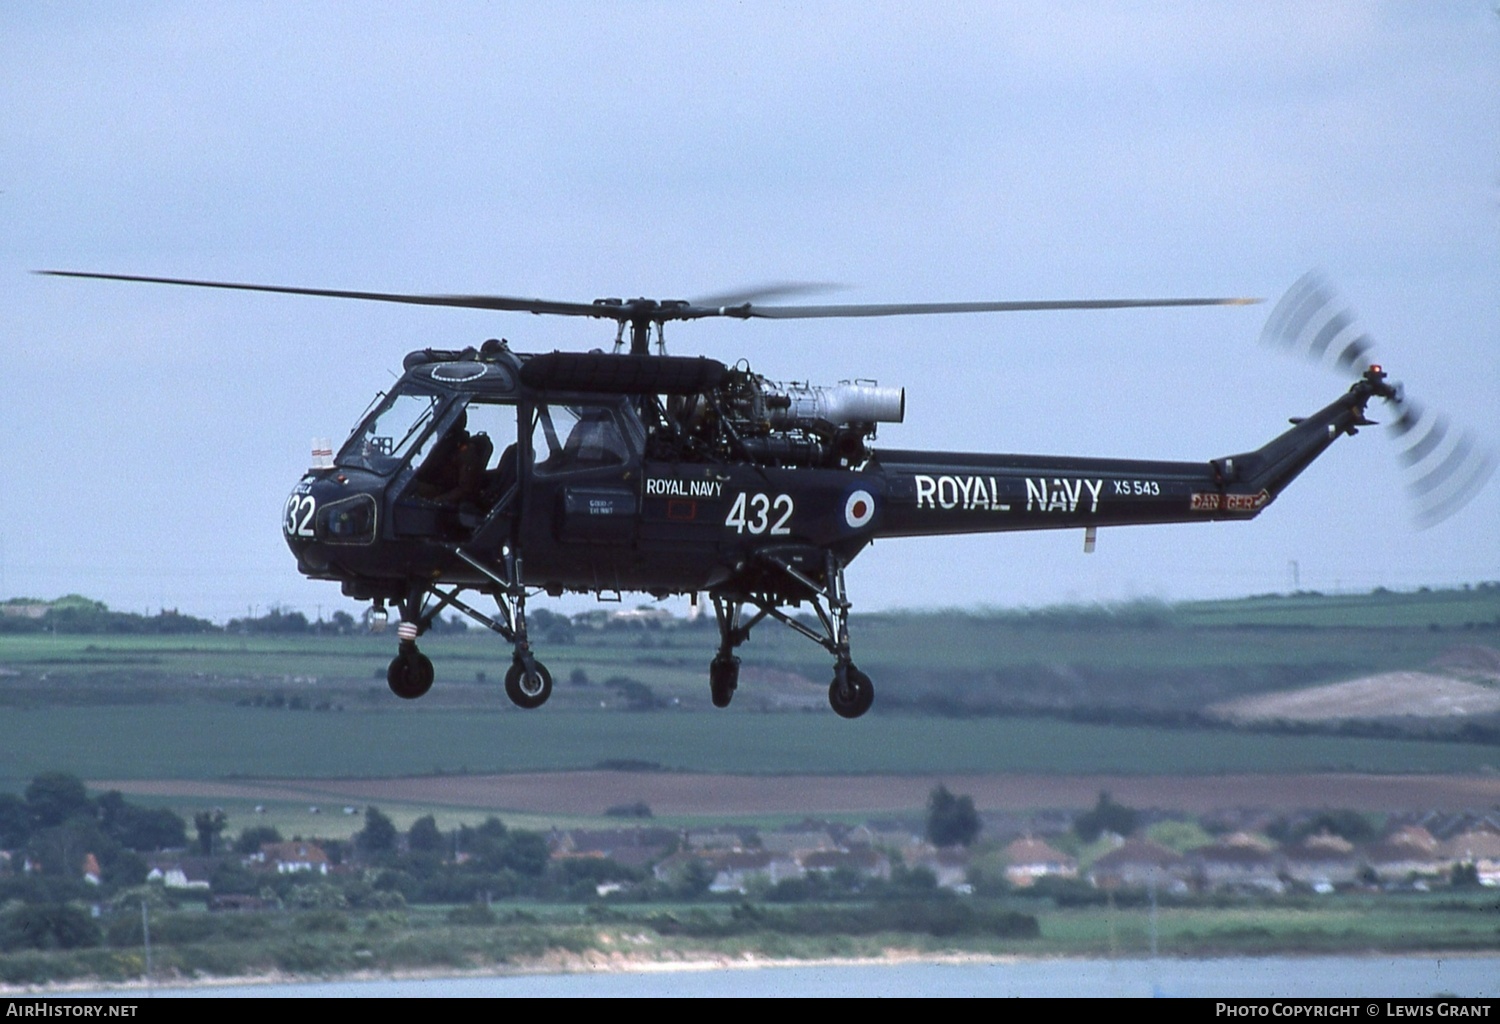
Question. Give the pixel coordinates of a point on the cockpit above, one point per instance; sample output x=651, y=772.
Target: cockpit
x=455, y=459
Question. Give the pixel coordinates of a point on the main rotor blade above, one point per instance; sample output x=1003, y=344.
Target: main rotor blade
x=769, y=290
x=749, y=311
x=652, y=311
x=495, y=302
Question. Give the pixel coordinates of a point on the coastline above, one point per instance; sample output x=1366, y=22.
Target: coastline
x=562, y=965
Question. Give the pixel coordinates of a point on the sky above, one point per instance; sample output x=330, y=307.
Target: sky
x=906, y=152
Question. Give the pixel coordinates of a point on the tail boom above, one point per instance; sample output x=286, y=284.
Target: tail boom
x=936, y=493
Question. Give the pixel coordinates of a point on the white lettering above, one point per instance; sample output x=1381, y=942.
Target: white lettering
x=969, y=493
x=661, y=487
x=1094, y=486
x=1036, y=493
x=1062, y=495
x=966, y=487
x=947, y=492
x=926, y=488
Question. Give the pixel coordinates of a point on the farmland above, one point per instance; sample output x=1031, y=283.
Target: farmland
x=1120, y=690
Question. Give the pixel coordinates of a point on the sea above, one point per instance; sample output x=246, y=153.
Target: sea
x=1371, y=977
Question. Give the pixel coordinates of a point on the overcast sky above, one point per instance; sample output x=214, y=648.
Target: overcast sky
x=909, y=152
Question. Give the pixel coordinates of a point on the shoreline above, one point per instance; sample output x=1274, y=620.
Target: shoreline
x=621, y=964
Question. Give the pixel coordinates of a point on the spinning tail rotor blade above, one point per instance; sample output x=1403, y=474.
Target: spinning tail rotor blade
x=1445, y=465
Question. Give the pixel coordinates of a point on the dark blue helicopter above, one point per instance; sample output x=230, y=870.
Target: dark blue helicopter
x=495, y=472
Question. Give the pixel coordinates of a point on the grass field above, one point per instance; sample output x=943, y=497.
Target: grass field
x=198, y=741
x=1366, y=632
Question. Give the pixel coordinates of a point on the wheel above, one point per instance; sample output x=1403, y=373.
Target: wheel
x=528, y=687
x=410, y=674
x=723, y=678
x=851, y=693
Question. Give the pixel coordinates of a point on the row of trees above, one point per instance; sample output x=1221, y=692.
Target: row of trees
x=75, y=614
x=55, y=826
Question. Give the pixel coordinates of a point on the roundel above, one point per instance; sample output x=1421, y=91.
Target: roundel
x=859, y=509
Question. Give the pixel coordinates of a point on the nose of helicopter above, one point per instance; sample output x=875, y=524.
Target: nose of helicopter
x=324, y=510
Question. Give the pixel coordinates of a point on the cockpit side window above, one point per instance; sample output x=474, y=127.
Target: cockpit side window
x=577, y=437
x=473, y=459
x=391, y=434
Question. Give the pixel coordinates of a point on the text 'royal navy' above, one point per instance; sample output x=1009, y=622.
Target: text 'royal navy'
x=684, y=488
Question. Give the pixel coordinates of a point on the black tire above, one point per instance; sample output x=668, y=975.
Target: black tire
x=723, y=679
x=528, y=689
x=410, y=674
x=851, y=696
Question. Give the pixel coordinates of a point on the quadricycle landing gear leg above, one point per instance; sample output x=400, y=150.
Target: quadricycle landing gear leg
x=851, y=693
x=724, y=670
x=528, y=684
x=410, y=673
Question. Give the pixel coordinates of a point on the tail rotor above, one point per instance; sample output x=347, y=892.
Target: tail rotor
x=1445, y=465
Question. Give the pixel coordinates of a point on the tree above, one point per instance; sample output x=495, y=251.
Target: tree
x=378, y=835
x=526, y=853
x=48, y=926
x=951, y=820
x=144, y=829
x=210, y=825
x=425, y=836
x=54, y=797
x=485, y=843
x=1107, y=816
x=15, y=821
x=253, y=838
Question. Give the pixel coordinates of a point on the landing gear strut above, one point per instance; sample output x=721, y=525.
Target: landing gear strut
x=724, y=670
x=527, y=682
x=851, y=693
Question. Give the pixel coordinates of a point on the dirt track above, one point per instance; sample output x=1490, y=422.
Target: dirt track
x=589, y=793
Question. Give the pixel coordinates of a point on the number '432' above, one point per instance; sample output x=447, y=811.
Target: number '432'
x=760, y=513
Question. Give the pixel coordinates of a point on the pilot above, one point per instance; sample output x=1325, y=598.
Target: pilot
x=454, y=473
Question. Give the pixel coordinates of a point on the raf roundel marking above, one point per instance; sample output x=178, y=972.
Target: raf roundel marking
x=859, y=509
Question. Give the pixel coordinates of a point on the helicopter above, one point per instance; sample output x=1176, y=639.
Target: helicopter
x=490, y=471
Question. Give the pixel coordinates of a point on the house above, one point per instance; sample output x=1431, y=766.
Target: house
x=1322, y=862
x=1479, y=847
x=733, y=870
x=1028, y=859
x=1409, y=851
x=1137, y=863
x=292, y=857
x=794, y=841
x=887, y=835
x=180, y=872
x=722, y=838
x=948, y=864
x=631, y=847
x=1239, y=860
x=866, y=862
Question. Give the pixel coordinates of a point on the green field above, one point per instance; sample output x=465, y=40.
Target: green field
x=199, y=741
x=993, y=691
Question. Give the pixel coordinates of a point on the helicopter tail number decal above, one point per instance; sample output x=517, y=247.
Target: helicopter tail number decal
x=761, y=513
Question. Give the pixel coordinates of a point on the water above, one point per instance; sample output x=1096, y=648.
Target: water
x=1268, y=977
